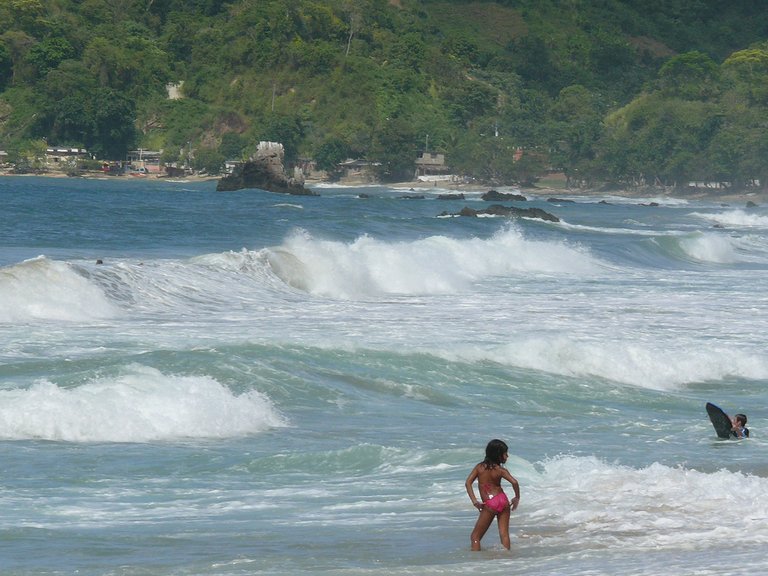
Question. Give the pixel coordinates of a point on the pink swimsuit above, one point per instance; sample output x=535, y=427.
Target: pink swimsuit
x=497, y=503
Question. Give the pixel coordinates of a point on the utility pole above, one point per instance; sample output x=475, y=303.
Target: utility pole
x=274, y=89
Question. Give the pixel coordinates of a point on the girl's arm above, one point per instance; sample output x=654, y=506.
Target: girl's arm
x=470, y=490
x=515, y=486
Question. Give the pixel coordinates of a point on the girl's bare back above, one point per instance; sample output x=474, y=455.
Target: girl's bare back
x=489, y=480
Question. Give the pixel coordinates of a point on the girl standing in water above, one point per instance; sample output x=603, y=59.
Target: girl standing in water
x=494, y=502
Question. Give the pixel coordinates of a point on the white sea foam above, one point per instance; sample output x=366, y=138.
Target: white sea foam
x=141, y=405
x=735, y=219
x=44, y=289
x=200, y=285
x=606, y=230
x=433, y=265
x=716, y=248
x=629, y=363
x=719, y=248
x=588, y=500
x=333, y=185
x=621, y=200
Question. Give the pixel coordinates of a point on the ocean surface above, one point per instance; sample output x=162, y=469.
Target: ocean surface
x=253, y=383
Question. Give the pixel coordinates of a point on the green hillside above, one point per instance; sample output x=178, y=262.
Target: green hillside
x=622, y=90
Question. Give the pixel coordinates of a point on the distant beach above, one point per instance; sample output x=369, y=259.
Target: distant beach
x=551, y=187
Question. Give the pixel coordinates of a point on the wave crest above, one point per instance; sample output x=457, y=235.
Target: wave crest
x=433, y=265
x=142, y=405
x=624, y=362
x=44, y=289
x=735, y=219
x=652, y=507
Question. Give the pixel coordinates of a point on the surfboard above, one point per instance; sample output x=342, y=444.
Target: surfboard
x=720, y=421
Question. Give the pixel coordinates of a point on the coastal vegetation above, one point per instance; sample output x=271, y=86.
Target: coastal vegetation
x=630, y=92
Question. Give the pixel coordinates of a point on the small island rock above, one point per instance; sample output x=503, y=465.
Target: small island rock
x=264, y=171
x=511, y=211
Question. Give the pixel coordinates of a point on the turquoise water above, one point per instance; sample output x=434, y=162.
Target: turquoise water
x=253, y=383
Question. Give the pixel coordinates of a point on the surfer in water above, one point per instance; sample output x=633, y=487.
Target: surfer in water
x=740, y=429
x=493, y=501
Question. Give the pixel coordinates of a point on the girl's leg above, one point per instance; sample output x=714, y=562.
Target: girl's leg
x=504, y=528
x=481, y=527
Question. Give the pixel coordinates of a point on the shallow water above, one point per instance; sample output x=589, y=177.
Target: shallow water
x=261, y=384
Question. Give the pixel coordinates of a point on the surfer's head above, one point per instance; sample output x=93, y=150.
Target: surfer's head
x=495, y=453
x=741, y=419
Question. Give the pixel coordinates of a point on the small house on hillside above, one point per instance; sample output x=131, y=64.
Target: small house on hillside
x=231, y=165
x=59, y=158
x=431, y=164
x=144, y=161
x=308, y=168
x=174, y=90
x=358, y=170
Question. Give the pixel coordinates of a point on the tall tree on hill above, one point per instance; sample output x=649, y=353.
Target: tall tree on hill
x=6, y=66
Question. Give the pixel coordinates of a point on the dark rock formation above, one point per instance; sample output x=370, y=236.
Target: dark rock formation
x=560, y=201
x=494, y=196
x=253, y=174
x=451, y=197
x=264, y=171
x=511, y=211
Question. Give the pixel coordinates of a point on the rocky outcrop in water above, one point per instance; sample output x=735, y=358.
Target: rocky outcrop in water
x=264, y=171
x=554, y=200
x=496, y=196
x=508, y=211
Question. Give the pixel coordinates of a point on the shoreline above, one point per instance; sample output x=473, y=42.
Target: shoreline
x=757, y=197
x=103, y=176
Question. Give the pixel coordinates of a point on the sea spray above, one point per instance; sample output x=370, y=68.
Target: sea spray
x=623, y=361
x=599, y=503
x=433, y=265
x=140, y=405
x=44, y=289
x=735, y=218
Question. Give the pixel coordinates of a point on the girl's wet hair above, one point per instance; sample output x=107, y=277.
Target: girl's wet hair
x=741, y=418
x=494, y=453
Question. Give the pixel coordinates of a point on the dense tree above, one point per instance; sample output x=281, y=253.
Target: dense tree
x=208, y=160
x=469, y=100
x=394, y=149
x=6, y=66
x=635, y=91
x=575, y=128
x=693, y=76
x=748, y=71
x=49, y=53
x=25, y=15
x=18, y=44
x=661, y=141
x=331, y=153
x=286, y=129
x=535, y=62
x=114, y=131
x=232, y=145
